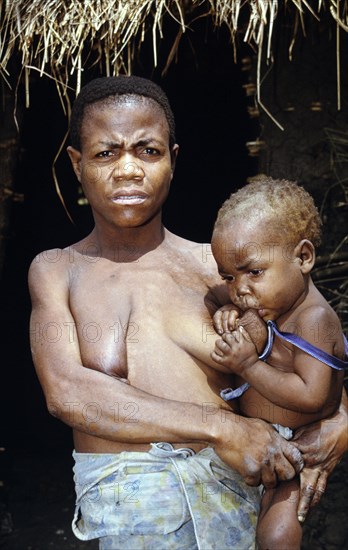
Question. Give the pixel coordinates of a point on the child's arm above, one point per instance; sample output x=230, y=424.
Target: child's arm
x=309, y=387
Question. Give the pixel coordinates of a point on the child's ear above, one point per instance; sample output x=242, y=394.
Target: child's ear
x=305, y=252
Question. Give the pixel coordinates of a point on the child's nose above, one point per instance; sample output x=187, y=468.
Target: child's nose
x=242, y=288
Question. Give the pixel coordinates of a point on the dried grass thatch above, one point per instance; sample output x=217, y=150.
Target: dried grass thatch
x=59, y=38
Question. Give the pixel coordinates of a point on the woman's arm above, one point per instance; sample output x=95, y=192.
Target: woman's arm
x=251, y=447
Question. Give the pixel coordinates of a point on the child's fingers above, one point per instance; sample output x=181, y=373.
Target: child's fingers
x=221, y=321
x=225, y=319
x=227, y=341
x=230, y=320
x=235, y=336
x=216, y=357
x=220, y=347
x=217, y=321
x=228, y=338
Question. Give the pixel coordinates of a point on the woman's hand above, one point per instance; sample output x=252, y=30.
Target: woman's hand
x=322, y=445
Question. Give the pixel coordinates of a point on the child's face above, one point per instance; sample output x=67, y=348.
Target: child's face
x=262, y=270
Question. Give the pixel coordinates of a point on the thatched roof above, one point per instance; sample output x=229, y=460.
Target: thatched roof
x=59, y=38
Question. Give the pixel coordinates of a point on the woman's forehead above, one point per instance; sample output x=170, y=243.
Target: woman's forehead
x=128, y=119
x=126, y=102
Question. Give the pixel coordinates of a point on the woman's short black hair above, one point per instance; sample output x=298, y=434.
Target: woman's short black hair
x=112, y=86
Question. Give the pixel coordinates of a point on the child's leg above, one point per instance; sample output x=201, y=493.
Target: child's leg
x=278, y=527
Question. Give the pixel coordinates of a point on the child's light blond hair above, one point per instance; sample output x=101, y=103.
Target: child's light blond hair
x=285, y=205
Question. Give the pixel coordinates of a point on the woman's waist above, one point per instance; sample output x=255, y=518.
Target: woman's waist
x=85, y=443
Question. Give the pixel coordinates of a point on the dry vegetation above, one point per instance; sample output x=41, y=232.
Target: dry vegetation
x=60, y=38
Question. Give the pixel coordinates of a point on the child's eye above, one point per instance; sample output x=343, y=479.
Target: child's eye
x=227, y=278
x=256, y=272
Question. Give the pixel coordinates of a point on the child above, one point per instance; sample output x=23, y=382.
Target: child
x=264, y=243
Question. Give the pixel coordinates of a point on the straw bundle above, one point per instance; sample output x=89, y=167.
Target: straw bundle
x=59, y=38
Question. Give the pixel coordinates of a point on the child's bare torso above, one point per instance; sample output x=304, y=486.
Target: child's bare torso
x=253, y=404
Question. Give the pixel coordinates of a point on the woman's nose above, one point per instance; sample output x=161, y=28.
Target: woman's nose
x=128, y=168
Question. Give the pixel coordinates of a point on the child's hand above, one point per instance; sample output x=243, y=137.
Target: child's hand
x=225, y=319
x=256, y=328
x=235, y=350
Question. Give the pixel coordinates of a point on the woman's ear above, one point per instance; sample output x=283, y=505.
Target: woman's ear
x=75, y=157
x=173, y=156
x=305, y=252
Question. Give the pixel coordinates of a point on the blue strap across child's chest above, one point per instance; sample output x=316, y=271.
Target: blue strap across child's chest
x=300, y=343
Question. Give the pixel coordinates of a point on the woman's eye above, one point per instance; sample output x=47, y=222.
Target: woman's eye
x=151, y=151
x=256, y=272
x=104, y=154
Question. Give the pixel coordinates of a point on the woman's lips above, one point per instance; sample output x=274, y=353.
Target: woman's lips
x=127, y=198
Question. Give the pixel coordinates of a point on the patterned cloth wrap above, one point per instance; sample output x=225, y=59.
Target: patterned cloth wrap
x=164, y=499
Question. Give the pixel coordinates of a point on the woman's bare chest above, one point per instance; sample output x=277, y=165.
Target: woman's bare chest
x=121, y=315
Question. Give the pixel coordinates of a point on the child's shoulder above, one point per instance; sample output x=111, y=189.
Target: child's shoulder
x=320, y=321
x=315, y=309
x=319, y=324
